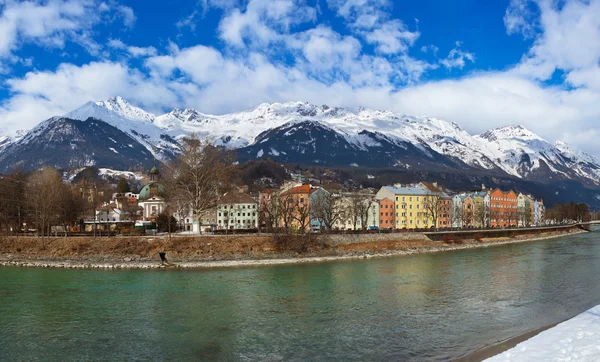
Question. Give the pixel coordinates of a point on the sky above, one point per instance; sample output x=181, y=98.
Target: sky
x=481, y=64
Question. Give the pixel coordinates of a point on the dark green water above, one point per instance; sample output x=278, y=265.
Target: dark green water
x=421, y=307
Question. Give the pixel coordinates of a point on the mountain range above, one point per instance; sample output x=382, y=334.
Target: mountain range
x=117, y=134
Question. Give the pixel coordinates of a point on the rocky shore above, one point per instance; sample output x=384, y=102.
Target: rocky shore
x=368, y=250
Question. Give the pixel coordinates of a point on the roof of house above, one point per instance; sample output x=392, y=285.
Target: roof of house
x=301, y=189
x=234, y=197
x=408, y=190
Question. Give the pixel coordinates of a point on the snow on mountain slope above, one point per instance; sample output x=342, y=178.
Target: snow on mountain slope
x=241, y=129
x=513, y=150
x=523, y=153
x=125, y=109
x=132, y=122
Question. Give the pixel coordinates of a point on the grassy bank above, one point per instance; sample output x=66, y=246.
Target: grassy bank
x=214, y=251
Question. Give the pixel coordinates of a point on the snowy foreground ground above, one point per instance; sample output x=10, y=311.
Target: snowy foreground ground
x=577, y=339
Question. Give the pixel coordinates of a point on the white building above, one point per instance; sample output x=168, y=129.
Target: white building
x=152, y=207
x=237, y=210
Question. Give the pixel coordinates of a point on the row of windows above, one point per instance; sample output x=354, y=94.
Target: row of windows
x=231, y=222
x=236, y=207
x=238, y=214
x=504, y=199
x=425, y=222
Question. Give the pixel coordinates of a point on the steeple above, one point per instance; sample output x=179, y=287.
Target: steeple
x=154, y=174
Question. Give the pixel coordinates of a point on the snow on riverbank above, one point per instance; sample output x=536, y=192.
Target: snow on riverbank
x=577, y=339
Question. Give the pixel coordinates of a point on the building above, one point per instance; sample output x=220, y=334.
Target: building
x=481, y=201
x=525, y=210
x=295, y=204
x=503, y=208
x=463, y=211
x=237, y=210
x=387, y=219
x=409, y=202
x=538, y=213
x=151, y=197
x=357, y=211
x=441, y=204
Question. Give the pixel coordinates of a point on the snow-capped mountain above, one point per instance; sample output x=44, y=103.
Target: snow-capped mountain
x=131, y=120
x=68, y=143
x=125, y=109
x=522, y=153
x=299, y=132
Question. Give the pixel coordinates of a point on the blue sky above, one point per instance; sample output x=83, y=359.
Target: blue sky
x=482, y=64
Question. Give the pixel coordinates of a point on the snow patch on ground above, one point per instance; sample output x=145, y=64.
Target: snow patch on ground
x=577, y=339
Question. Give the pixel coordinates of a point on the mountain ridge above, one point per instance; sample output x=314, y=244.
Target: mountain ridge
x=510, y=150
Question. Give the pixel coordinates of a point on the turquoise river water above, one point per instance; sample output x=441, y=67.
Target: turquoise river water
x=428, y=307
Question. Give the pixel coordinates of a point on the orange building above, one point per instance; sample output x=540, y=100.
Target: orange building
x=296, y=209
x=387, y=220
x=503, y=208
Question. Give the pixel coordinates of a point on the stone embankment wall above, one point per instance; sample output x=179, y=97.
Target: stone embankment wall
x=345, y=239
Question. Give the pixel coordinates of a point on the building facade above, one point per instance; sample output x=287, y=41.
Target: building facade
x=503, y=208
x=387, y=219
x=237, y=210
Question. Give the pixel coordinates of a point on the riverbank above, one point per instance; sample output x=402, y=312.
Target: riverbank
x=232, y=251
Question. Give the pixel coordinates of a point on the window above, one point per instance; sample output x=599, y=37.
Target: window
x=417, y=205
x=403, y=198
x=417, y=198
x=410, y=198
x=396, y=198
x=302, y=199
x=396, y=207
x=410, y=206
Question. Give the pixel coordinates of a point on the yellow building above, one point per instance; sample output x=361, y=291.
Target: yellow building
x=410, y=205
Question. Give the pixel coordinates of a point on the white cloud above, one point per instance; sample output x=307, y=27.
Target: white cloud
x=53, y=23
x=263, y=21
x=569, y=39
x=392, y=37
x=133, y=51
x=127, y=14
x=328, y=67
x=457, y=58
x=520, y=17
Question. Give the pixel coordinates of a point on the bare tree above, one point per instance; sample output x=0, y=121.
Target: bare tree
x=326, y=209
x=467, y=217
x=433, y=204
x=287, y=209
x=457, y=217
x=302, y=214
x=482, y=215
x=44, y=197
x=201, y=174
x=271, y=212
x=362, y=208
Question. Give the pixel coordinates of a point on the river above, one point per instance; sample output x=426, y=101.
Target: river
x=427, y=307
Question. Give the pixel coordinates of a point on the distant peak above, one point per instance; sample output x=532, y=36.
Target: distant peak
x=507, y=132
x=121, y=106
